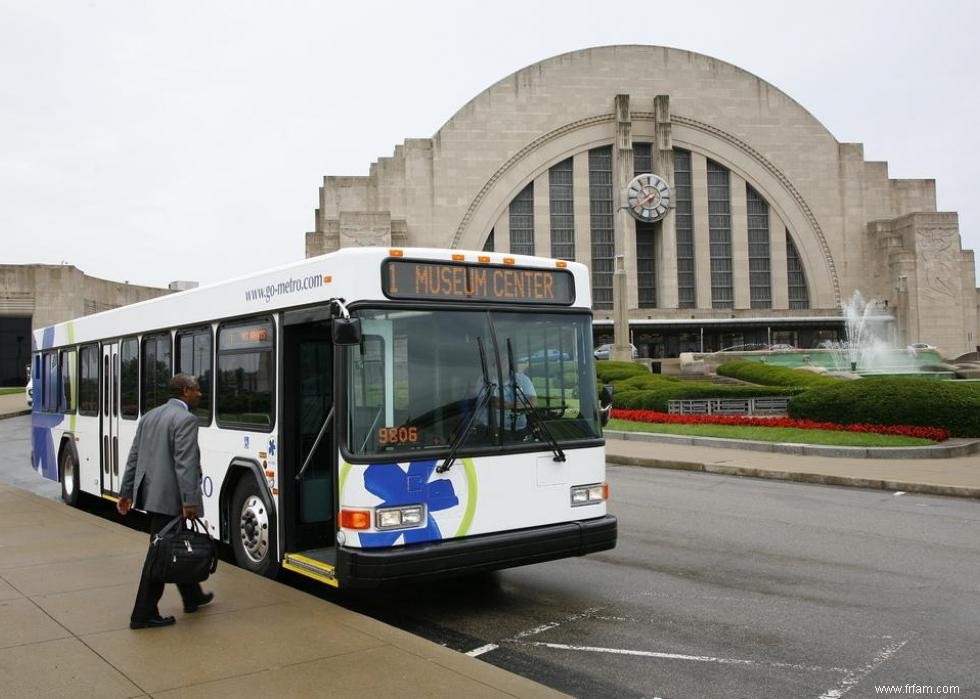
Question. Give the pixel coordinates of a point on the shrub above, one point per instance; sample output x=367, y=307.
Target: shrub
x=767, y=375
x=609, y=371
x=894, y=401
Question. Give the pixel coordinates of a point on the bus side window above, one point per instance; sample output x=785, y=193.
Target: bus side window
x=50, y=382
x=88, y=384
x=66, y=380
x=129, y=378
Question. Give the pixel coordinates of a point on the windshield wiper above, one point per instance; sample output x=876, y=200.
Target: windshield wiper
x=538, y=423
x=481, y=402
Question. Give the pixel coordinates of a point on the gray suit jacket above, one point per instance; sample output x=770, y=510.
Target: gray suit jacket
x=166, y=461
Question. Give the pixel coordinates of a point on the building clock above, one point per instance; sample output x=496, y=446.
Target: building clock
x=648, y=198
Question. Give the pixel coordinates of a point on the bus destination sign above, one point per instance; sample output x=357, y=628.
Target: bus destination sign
x=454, y=281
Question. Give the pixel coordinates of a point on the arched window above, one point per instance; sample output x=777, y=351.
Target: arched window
x=684, y=225
x=603, y=240
x=522, y=222
x=562, y=206
x=720, y=235
x=796, y=276
x=760, y=274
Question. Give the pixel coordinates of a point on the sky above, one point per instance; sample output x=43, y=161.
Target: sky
x=158, y=141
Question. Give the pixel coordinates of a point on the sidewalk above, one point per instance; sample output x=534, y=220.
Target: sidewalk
x=952, y=475
x=67, y=582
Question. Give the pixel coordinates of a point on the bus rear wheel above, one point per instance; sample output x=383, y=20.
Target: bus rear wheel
x=69, y=478
x=253, y=535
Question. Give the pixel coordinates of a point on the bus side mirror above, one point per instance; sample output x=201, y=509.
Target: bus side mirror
x=346, y=331
x=605, y=403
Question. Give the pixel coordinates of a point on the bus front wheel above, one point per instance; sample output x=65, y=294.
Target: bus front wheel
x=253, y=535
x=69, y=478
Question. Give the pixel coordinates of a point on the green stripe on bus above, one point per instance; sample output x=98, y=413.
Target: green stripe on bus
x=344, y=471
x=471, y=485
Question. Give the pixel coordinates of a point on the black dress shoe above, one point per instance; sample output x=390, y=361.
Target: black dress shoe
x=204, y=601
x=153, y=622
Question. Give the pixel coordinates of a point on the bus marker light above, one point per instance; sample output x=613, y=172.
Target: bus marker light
x=355, y=519
x=509, y=260
x=589, y=494
x=270, y=474
x=327, y=279
x=458, y=257
x=396, y=253
x=561, y=264
x=483, y=258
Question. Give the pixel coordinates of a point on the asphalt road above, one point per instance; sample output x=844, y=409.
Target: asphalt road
x=720, y=587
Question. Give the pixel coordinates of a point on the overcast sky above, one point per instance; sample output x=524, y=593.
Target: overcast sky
x=154, y=141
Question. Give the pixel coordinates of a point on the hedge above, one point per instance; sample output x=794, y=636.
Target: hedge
x=953, y=406
x=768, y=375
x=641, y=390
x=610, y=371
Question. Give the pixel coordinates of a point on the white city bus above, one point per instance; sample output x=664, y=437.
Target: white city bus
x=352, y=425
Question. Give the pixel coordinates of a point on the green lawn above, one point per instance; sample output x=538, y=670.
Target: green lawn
x=774, y=434
x=8, y=391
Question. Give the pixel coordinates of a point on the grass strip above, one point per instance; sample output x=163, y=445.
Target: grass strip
x=774, y=434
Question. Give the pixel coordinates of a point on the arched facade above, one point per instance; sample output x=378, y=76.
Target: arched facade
x=774, y=222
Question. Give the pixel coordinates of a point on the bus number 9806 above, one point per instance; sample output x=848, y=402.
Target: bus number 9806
x=398, y=435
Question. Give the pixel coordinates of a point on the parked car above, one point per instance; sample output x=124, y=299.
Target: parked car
x=551, y=355
x=602, y=351
x=30, y=393
x=919, y=346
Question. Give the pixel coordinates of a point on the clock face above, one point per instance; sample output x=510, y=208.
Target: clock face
x=648, y=198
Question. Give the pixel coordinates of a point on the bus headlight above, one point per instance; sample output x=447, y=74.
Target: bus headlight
x=400, y=517
x=589, y=494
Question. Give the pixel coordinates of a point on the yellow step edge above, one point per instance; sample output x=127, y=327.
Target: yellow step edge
x=327, y=576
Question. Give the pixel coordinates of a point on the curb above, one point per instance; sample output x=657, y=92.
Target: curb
x=952, y=448
x=799, y=477
x=15, y=414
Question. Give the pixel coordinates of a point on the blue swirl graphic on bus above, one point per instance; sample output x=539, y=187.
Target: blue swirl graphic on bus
x=395, y=487
x=45, y=457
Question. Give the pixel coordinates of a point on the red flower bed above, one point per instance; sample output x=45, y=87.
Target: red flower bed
x=936, y=434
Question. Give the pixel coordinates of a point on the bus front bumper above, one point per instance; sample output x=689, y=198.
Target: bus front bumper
x=452, y=557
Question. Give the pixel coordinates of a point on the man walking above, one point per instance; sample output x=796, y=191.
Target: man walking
x=164, y=472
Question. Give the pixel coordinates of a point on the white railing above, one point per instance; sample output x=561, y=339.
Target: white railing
x=774, y=405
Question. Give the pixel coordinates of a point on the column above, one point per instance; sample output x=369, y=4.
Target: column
x=699, y=208
x=542, y=216
x=740, y=242
x=667, y=248
x=501, y=232
x=583, y=215
x=777, y=261
x=624, y=292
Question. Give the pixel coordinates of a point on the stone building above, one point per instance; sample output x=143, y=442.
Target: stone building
x=33, y=296
x=773, y=223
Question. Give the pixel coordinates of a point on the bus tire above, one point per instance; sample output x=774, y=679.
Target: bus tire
x=253, y=529
x=70, y=487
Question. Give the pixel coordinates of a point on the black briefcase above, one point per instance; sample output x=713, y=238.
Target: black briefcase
x=183, y=555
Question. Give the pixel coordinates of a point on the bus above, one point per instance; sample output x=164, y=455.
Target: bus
x=368, y=416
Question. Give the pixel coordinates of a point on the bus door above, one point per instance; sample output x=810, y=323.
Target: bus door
x=308, y=501
x=109, y=447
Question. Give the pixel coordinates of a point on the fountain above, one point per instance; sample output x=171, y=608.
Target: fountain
x=863, y=351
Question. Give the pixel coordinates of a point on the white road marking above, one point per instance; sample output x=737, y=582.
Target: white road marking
x=482, y=649
x=853, y=677
x=516, y=638
x=681, y=656
x=899, y=492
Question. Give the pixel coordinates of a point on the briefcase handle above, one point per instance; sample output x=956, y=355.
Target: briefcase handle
x=180, y=520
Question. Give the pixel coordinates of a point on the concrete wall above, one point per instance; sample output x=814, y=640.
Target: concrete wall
x=55, y=293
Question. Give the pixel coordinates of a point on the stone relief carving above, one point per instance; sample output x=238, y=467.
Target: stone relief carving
x=937, y=250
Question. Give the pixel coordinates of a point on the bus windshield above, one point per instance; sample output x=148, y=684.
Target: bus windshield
x=422, y=380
